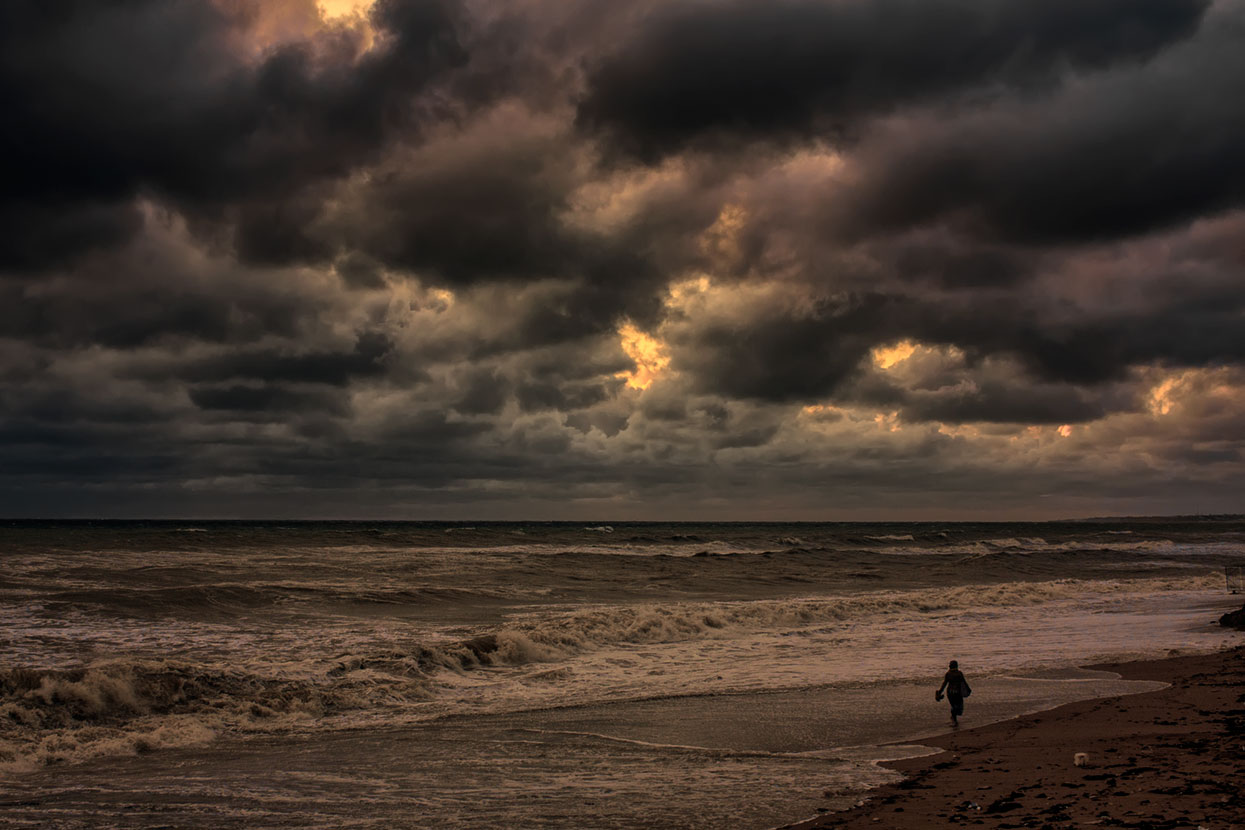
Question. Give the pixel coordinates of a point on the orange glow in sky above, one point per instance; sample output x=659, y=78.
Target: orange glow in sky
x=888, y=421
x=1161, y=401
x=344, y=8
x=648, y=353
x=884, y=357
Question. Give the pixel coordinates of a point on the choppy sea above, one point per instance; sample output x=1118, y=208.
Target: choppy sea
x=548, y=675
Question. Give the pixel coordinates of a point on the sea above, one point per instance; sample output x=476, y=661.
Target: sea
x=737, y=676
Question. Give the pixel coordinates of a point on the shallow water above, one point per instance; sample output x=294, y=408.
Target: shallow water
x=752, y=760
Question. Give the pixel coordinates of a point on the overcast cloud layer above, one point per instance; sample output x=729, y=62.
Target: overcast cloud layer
x=640, y=259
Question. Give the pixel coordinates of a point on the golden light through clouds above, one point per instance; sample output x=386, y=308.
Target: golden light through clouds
x=884, y=357
x=330, y=9
x=1195, y=391
x=649, y=354
x=1161, y=401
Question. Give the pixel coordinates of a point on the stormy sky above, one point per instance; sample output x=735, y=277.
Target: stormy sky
x=690, y=259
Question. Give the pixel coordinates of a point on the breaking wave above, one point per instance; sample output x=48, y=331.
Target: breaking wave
x=226, y=596
x=612, y=625
x=128, y=706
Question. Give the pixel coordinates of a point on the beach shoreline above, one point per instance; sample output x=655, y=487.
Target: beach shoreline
x=1169, y=758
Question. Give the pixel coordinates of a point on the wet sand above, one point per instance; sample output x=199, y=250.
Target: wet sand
x=1172, y=758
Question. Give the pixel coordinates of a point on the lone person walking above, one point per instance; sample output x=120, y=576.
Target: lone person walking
x=957, y=689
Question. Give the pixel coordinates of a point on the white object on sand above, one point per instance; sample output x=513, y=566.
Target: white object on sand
x=1081, y=759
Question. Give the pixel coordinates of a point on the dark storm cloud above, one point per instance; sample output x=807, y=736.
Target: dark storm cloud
x=591, y=307
x=38, y=236
x=1180, y=311
x=359, y=271
x=106, y=101
x=57, y=407
x=138, y=317
x=949, y=262
x=227, y=249
x=1174, y=303
x=334, y=368
x=1120, y=154
x=151, y=291
x=1001, y=402
x=274, y=402
x=788, y=356
x=757, y=436
x=760, y=70
x=464, y=211
x=482, y=392
x=494, y=201
x=534, y=397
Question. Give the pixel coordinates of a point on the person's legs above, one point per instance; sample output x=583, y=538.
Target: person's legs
x=957, y=708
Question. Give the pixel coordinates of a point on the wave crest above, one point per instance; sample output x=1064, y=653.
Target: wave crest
x=617, y=625
x=127, y=706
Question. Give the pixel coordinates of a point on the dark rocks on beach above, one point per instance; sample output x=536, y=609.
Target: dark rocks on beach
x=1234, y=619
x=1003, y=806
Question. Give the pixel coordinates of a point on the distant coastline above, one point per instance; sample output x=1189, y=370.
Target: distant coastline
x=1153, y=519
x=1199, y=517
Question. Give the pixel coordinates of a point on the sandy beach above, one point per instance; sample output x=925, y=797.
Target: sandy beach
x=1172, y=758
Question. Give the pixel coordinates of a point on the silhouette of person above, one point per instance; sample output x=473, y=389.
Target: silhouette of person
x=957, y=689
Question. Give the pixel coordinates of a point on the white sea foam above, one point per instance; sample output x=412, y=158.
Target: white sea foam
x=127, y=706
x=1035, y=545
